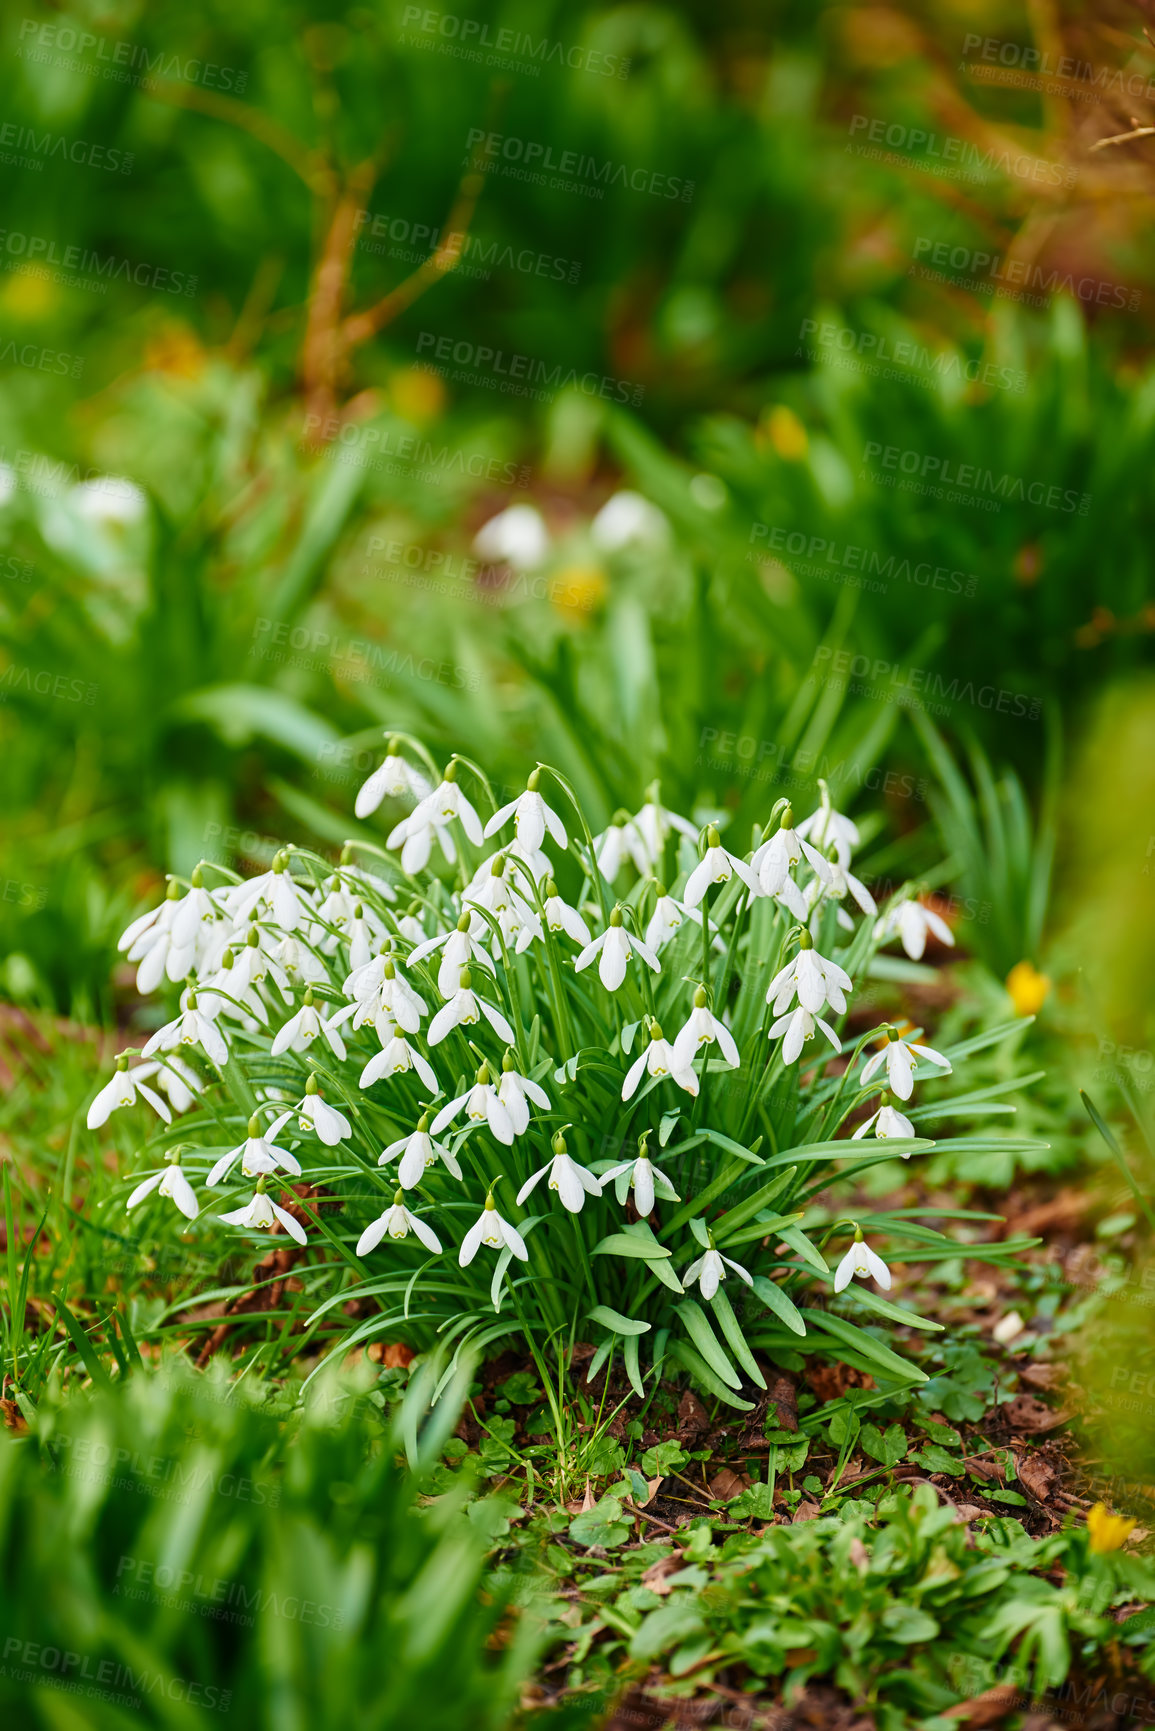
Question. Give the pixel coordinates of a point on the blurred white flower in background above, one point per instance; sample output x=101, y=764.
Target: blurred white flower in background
x=108, y=499
x=517, y=536
x=627, y=520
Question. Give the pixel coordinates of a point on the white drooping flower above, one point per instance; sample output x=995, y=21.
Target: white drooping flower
x=460, y=948
x=415, y=835
x=122, y=1090
x=314, y=1113
x=531, y=818
x=660, y=1059
x=812, y=978
x=614, y=947
x=668, y=917
x=842, y=883
x=464, y=1010
x=517, y=536
x=861, y=1260
x=108, y=499
x=911, y=921
x=650, y=828
x=901, y=1059
x=263, y=1213
x=418, y=1151
x=489, y=1228
x=395, y=1058
x=710, y=1270
x=717, y=866
x=829, y=828
x=258, y=1153
x=559, y=917
x=193, y=1027
x=307, y=1025
x=785, y=848
x=398, y=1222
x=377, y=985
x=178, y=1080
x=799, y=1026
x=702, y=1028
x=498, y=894
x=150, y=941
x=448, y=801
x=644, y=1178
x=171, y=1183
x=393, y=779
x=619, y=841
x=483, y=1105
x=886, y=1122
x=572, y=1182
x=516, y=1091
x=289, y=903
x=627, y=519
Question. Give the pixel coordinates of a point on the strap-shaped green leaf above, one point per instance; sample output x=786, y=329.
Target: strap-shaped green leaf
x=732, y=1329
x=683, y=1353
x=864, y=1343
x=775, y=1299
x=702, y=1335
x=616, y=1322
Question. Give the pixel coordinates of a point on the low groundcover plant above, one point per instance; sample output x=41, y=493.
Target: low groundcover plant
x=505, y=1078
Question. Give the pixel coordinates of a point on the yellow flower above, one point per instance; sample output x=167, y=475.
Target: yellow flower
x=784, y=432
x=1028, y=988
x=578, y=590
x=1107, y=1531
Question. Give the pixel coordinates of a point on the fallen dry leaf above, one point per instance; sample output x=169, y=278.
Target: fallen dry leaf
x=1027, y=1413
x=1037, y=1474
x=727, y=1484
x=13, y=1418
x=805, y=1512
x=969, y=1511
x=655, y=1577
x=988, y=1708
x=693, y=1418
x=859, y=1555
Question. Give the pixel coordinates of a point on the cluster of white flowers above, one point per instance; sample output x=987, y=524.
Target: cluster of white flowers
x=286, y=965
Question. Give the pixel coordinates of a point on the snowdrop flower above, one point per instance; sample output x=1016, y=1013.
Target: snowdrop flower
x=492, y=1230
x=559, y=917
x=302, y=1029
x=517, y=536
x=414, y=836
x=193, y=1027
x=798, y=1026
x=170, y=1182
x=668, y=917
x=628, y=519
x=465, y=1009
x=899, y=1057
x=259, y=1153
x=233, y=987
x=122, y=1090
x=531, y=818
x=649, y=829
x=493, y=891
x=313, y=1113
x=829, y=828
x=150, y=941
x=460, y=948
x=614, y=948
x=288, y=901
x=911, y=921
x=861, y=1260
x=483, y=1105
x=841, y=884
x=194, y=910
x=395, y=1058
x=263, y=1212
x=660, y=1059
x=516, y=1091
x=178, y=1080
x=812, y=978
x=643, y=1177
x=618, y=842
x=398, y=1223
x=702, y=1028
x=785, y=848
x=393, y=779
x=446, y=802
x=717, y=866
x=377, y=985
x=572, y=1182
x=418, y=1152
x=710, y=1271
x=886, y=1122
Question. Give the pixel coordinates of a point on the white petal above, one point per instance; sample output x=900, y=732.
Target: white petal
x=142, y=1190
x=530, y=1183
x=375, y=1231
x=425, y=1233
x=292, y=1227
